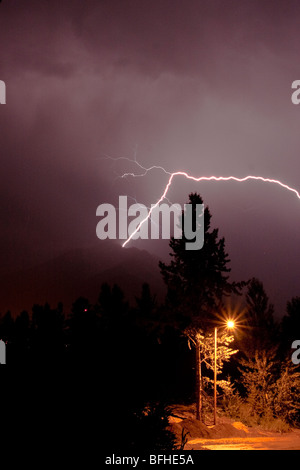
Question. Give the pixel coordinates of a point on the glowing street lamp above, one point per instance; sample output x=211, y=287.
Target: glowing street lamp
x=230, y=325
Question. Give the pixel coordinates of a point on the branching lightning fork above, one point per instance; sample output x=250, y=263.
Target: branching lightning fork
x=194, y=178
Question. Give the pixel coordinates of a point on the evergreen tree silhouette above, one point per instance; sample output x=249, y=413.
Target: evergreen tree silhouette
x=197, y=280
x=261, y=332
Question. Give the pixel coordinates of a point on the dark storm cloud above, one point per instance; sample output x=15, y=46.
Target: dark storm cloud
x=203, y=85
x=180, y=36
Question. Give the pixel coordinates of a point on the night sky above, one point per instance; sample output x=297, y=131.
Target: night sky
x=197, y=85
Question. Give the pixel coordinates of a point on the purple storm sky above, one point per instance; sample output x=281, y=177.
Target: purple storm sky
x=197, y=85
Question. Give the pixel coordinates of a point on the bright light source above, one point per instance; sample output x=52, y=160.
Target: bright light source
x=230, y=324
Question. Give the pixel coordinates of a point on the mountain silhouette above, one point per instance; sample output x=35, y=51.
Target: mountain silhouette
x=81, y=272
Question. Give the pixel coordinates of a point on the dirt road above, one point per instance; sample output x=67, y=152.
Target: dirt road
x=289, y=441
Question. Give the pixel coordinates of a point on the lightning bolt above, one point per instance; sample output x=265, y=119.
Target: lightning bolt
x=190, y=177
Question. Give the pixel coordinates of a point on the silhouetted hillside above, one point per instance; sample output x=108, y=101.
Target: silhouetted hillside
x=81, y=272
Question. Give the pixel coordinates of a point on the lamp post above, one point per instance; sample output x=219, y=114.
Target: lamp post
x=215, y=378
x=230, y=325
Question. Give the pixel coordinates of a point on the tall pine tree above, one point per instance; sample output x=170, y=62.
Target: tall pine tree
x=261, y=333
x=198, y=280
